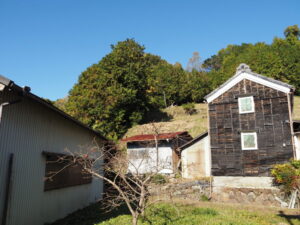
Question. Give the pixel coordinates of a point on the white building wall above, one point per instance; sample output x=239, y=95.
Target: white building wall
x=148, y=163
x=26, y=130
x=297, y=145
x=196, y=159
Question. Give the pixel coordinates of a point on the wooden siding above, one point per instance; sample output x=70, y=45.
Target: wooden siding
x=270, y=120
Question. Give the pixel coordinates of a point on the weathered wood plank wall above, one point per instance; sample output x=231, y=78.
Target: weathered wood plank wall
x=270, y=120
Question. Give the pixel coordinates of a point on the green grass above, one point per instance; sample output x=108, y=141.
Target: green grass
x=186, y=214
x=167, y=214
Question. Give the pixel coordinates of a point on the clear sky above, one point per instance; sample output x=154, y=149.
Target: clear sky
x=46, y=44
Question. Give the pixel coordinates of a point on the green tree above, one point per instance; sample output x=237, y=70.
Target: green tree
x=164, y=84
x=292, y=33
x=110, y=96
x=279, y=60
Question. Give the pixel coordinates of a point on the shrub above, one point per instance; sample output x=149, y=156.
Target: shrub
x=204, y=198
x=204, y=211
x=189, y=108
x=159, y=179
x=178, y=176
x=287, y=175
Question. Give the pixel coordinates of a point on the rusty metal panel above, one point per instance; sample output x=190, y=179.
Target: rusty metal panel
x=27, y=129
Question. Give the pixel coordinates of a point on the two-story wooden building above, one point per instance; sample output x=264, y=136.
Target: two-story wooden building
x=250, y=124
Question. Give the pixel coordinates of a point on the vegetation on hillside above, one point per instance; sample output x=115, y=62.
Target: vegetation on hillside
x=128, y=84
x=195, y=124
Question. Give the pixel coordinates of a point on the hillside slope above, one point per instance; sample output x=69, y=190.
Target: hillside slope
x=194, y=124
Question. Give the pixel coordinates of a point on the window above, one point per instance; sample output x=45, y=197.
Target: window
x=246, y=104
x=61, y=172
x=249, y=141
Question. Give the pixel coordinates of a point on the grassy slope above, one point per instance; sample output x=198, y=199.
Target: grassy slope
x=194, y=124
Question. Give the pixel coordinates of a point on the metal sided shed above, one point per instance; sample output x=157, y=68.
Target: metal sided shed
x=31, y=131
x=195, y=157
x=148, y=152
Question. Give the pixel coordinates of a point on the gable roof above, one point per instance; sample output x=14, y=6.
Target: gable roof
x=151, y=137
x=244, y=72
x=25, y=91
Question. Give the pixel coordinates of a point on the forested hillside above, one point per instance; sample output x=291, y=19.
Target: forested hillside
x=129, y=85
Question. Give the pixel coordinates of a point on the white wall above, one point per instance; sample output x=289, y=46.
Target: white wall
x=26, y=130
x=196, y=159
x=148, y=163
x=297, y=145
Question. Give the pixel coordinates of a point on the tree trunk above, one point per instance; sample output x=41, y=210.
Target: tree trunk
x=134, y=220
x=165, y=100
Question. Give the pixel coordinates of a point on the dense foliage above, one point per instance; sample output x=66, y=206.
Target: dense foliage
x=116, y=93
x=288, y=175
x=110, y=96
x=279, y=60
x=125, y=85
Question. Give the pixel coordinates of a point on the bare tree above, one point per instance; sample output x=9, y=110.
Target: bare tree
x=128, y=182
x=194, y=63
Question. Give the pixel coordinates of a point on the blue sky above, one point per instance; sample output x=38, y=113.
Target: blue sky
x=46, y=44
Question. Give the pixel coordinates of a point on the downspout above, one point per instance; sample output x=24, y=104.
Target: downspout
x=291, y=123
x=209, y=143
x=7, y=189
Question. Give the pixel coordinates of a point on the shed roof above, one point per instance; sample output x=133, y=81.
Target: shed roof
x=193, y=141
x=25, y=91
x=244, y=72
x=151, y=137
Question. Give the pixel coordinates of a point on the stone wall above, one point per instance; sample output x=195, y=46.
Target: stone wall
x=239, y=191
x=267, y=197
x=181, y=190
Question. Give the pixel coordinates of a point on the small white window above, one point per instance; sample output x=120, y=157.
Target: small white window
x=246, y=104
x=249, y=141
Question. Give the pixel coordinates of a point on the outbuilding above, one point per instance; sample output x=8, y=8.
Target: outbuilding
x=32, y=132
x=155, y=152
x=250, y=124
x=195, y=157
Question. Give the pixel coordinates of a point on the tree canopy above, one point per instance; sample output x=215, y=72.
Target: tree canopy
x=118, y=91
x=110, y=96
x=279, y=60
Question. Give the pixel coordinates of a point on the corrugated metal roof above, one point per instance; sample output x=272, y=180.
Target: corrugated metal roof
x=151, y=137
x=191, y=142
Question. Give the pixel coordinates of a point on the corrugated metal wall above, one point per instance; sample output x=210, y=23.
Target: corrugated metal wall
x=28, y=128
x=196, y=160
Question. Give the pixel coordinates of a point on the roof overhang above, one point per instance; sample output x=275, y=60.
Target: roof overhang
x=248, y=76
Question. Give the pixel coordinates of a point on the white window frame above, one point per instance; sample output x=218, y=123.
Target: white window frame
x=252, y=104
x=255, y=140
